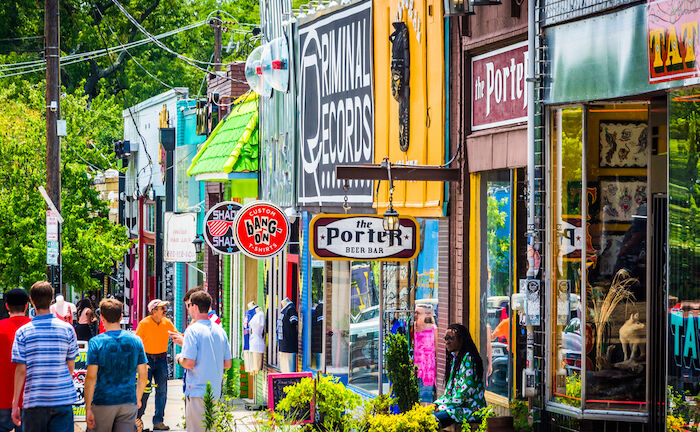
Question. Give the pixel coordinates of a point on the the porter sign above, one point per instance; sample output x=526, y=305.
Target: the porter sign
x=362, y=237
x=336, y=104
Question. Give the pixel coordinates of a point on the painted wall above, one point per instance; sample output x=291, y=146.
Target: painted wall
x=427, y=102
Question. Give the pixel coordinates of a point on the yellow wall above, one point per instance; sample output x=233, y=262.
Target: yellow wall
x=427, y=103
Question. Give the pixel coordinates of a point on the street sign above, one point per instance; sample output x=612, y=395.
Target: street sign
x=52, y=247
x=218, y=231
x=362, y=237
x=262, y=229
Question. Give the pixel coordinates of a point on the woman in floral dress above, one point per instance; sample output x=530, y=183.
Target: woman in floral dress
x=464, y=389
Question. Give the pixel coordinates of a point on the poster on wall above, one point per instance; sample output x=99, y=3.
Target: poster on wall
x=336, y=105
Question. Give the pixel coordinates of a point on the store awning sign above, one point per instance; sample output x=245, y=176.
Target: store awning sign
x=261, y=229
x=672, y=27
x=499, y=87
x=362, y=237
x=218, y=227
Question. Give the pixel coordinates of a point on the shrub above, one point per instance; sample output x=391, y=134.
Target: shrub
x=401, y=372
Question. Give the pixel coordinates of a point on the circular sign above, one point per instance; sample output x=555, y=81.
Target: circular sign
x=218, y=227
x=261, y=229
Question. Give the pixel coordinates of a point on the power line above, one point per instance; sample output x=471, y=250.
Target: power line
x=190, y=61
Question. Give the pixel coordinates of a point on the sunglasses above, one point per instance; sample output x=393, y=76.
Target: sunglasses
x=449, y=338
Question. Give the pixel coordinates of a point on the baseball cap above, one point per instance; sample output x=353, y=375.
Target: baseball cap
x=16, y=297
x=155, y=303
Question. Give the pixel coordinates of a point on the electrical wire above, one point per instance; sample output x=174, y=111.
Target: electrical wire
x=190, y=61
x=134, y=59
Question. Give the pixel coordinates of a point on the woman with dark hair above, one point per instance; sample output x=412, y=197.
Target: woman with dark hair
x=464, y=382
x=86, y=319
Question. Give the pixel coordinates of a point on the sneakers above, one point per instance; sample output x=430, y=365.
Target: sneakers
x=160, y=426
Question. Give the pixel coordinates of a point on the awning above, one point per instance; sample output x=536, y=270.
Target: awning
x=231, y=151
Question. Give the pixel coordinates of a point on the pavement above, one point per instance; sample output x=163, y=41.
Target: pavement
x=175, y=412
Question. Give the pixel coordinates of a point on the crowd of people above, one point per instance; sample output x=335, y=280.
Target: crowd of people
x=39, y=354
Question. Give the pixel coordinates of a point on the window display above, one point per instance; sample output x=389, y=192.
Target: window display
x=287, y=335
x=337, y=317
x=600, y=331
x=316, y=294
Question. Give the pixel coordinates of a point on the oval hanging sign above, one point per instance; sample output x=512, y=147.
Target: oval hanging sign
x=362, y=237
x=218, y=227
x=262, y=229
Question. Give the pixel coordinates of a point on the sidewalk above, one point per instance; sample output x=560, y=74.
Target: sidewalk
x=175, y=412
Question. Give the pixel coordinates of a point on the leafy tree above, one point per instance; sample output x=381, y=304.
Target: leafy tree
x=498, y=246
x=94, y=26
x=90, y=240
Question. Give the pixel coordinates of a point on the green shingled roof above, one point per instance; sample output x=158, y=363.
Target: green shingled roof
x=233, y=145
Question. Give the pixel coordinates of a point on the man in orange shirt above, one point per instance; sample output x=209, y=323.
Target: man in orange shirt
x=154, y=332
x=16, y=301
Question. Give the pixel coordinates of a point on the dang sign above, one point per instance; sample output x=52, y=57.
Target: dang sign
x=362, y=237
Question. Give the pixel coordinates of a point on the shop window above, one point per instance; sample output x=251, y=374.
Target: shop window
x=497, y=279
x=150, y=218
x=683, y=302
x=337, y=317
x=598, y=283
x=316, y=332
x=364, y=325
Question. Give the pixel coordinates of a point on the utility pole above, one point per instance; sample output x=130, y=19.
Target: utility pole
x=217, y=41
x=53, y=113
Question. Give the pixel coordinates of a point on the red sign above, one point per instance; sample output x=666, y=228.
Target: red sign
x=217, y=227
x=262, y=229
x=672, y=27
x=499, y=90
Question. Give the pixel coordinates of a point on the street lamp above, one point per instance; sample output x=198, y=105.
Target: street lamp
x=391, y=216
x=197, y=242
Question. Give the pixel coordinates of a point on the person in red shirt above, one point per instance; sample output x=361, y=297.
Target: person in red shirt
x=16, y=302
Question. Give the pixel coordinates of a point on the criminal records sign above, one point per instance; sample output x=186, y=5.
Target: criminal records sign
x=336, y=104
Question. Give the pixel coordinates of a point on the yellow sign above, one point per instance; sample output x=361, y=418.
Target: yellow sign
x=426, y=100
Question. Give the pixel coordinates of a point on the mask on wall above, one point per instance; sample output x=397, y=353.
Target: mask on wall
x=399, y=78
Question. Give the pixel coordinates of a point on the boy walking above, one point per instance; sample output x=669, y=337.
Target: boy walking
x=111, y=396
x=205, y=354
x=44, y=351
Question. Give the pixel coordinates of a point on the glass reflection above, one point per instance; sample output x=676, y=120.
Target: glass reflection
x=684, y=257
x=316, y=293
x=568, y=243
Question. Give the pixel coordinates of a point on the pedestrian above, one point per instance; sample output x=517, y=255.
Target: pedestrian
x=44, y=350
x=86, y=320
x=154, y=331
x=16, y=302
x=206, y=355
x=112, y=397
x=464, y=379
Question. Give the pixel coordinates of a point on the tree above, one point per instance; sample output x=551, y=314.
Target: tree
x=94, y=26
x=90, y=240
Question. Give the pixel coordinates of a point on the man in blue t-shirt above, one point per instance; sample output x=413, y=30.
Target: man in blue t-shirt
x=205, y=354
x=112, y=397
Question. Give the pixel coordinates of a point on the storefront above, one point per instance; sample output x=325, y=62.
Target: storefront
x=621, y=163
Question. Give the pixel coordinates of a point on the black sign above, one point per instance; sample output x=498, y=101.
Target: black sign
x=336, y=104
x=277, y=383
x=219, y=228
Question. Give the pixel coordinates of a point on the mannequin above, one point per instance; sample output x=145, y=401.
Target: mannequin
x=287, y=335
x=317, y=333
x=63, y=310
x=253, y=341
x=425, y=342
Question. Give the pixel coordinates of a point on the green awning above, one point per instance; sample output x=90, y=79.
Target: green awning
x=231, y=151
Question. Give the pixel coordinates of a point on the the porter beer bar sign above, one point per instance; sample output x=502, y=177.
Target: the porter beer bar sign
x=362, y=237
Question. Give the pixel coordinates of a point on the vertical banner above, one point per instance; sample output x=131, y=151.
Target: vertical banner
x=336, y=104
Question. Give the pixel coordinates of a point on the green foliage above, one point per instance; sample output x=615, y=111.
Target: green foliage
x=573, y=390
x=90, y=240
x=417, y=419
x=498, y=246
x=484, y=413
x=92, y=26
x=520, y=412
x=210, y=411
x=333, y=403
x=401, y=371
x=232, y=383
x=380, y=405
